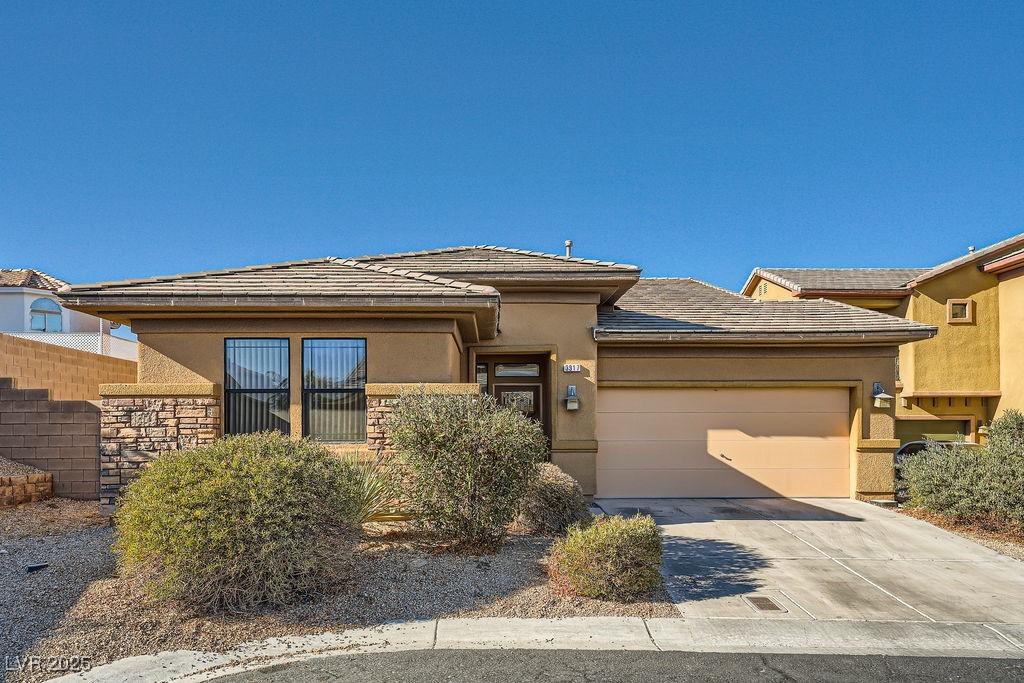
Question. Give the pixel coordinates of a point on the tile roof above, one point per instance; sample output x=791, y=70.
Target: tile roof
x=1009, y=244
x=683, y=308
x=28, y=277
x=837, y=279
x=499, y=261
x=325, y=277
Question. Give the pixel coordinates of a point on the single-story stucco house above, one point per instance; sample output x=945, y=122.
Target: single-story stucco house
x=646, y=387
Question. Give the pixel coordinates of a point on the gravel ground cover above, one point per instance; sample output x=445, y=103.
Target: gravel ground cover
x=399, y=575
x=1003, y=539
x=50, y=517
x=9, y=468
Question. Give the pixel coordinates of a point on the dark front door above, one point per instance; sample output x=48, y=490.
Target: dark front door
x=521, y=380
x=526, y=397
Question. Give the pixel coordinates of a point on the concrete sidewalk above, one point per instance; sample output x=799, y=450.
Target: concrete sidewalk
x=910, y=638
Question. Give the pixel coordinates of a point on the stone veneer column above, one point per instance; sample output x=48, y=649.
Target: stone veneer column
x=138, y=422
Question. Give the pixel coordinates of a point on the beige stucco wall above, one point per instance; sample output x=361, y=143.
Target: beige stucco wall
x=1011, y=341
x=773, y=292
x=400, y=350
x=962, y=357
x=559, y=324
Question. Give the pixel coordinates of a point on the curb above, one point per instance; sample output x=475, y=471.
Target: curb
x=893, y=638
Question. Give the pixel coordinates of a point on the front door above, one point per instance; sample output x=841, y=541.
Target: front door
x=525, y=397
x=520, y=380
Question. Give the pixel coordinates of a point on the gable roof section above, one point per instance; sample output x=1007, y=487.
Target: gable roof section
x=683, y=310
x=979, y=256
x=326, y=283
x=29, y=277
x=803, y=280
x=499, y=261
x=326, y=277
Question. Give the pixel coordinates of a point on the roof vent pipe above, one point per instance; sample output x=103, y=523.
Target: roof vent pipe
x=568, y=249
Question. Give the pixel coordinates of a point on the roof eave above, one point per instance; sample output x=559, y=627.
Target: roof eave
x=867, y=338
x=863, y=293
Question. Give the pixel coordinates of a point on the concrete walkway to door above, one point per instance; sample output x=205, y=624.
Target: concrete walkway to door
x=827, y=559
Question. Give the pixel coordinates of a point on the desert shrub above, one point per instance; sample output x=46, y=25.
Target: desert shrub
x=1004, y=467
x=970, y=482
x=553, y=503
x=614, y=558
x=255, y=519
x=947, y=478
x=470, y=462
x=377, y=494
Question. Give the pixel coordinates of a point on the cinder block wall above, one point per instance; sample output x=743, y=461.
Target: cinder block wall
x=61, y=437
x=69, y=374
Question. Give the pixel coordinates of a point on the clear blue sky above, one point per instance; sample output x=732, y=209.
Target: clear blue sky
x=690, y=138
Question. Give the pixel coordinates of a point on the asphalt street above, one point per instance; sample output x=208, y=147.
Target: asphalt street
x=626, y=666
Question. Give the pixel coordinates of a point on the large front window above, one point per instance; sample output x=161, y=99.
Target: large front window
x=256, y=385
x=334, y=389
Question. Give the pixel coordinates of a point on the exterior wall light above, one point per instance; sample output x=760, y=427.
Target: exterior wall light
x=983, y=430
x=572, y=401
x=882, y=399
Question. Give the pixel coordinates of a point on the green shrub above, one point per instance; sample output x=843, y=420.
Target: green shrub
x=971, y=482
x=553, y=503
x=615, y=558
x=470, y=462
x=949, y=479
x=249, y=520
x=1005, y=467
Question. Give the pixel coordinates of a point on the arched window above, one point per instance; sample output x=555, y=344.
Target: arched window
x=46, y=316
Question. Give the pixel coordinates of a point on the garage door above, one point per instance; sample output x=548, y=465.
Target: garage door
x=717, y=443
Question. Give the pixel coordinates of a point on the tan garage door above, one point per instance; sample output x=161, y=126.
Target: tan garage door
x=717, y=443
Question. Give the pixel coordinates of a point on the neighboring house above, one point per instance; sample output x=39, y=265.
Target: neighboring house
x=646, y=387
x=31, y=309
x=973, y=369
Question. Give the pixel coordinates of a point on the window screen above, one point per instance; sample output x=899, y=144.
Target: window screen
x=256, y=385
x=334, y=389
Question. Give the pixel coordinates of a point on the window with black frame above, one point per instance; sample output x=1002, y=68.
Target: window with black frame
x=334, y=389
x=256, y=385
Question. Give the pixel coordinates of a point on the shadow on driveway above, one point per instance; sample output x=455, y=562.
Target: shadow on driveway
x=702, y=569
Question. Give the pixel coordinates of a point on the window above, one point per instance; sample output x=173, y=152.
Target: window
x=256, y=385
x=960, y=311
x=334, y=389
x=45, y=316
x=517, y=370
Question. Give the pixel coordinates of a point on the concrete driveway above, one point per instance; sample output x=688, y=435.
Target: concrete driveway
x=827, y=559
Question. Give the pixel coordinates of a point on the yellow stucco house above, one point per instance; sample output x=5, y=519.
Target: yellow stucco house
x=973, y=369
x=646, y=387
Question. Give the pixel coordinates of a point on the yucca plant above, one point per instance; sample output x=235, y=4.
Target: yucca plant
x=378, y=489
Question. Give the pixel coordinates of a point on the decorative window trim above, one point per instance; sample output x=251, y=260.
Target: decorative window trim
x=968, y=303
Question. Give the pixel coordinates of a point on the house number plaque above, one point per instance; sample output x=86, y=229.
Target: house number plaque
x=572, y=367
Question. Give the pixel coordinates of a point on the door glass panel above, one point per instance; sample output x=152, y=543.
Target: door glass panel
x=517, y=370
x=481, y=377
x=522, y=400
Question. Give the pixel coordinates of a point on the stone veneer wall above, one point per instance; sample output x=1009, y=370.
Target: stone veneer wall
x=25, y=488
x=135, y=430
x=380, y=401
